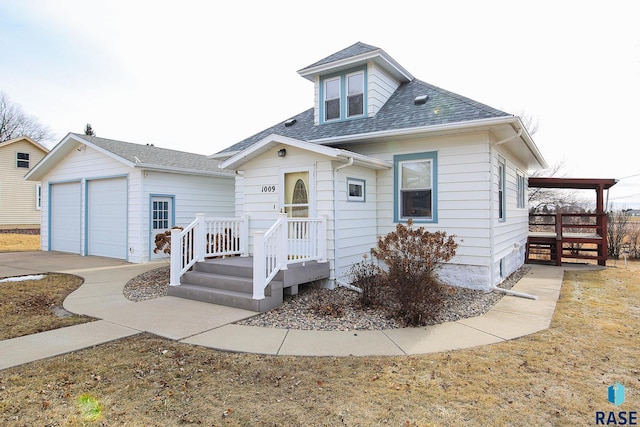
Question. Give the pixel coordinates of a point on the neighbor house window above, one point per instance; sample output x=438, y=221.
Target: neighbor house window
x=355, y=94
x=521, y=186
x=415, y=185
x=502, y=203
x=38, y=196
x=332, y=99
x=22, y=160
x=355, y=190
x=342, y=96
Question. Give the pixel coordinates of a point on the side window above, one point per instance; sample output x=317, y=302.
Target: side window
x=355, y=190
x=502, y=203
x=416, y=183
x=521, y=189
x=22, y=160
x=38, y=196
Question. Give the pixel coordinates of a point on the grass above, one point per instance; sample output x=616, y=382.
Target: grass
x=12, y=242
x=555, y=377
x=32, y=306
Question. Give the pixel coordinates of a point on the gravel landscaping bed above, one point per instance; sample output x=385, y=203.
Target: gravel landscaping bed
x=315, y=308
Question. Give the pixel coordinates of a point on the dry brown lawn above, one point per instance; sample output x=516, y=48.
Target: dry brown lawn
x=31, y=306
x=11, y=242
x=555, y=377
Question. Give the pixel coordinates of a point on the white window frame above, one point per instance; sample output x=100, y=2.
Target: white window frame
x=502, y=186
x=431, y=189
x=356, y=182
x=326, y=99
x=27, y=160
x=38, y=197
x=348, y=95
x=521, y=189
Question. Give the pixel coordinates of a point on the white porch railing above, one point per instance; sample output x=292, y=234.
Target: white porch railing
x=207, y=237
x=288, y=241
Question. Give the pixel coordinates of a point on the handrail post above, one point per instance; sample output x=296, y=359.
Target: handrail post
x=259, y=266
x=322, y=243
x=199, y=238
x=283, y=241
x=244, y=236
x=559, y=239
x=176, y=257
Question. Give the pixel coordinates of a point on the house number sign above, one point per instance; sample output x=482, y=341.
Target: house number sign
x=268, y=188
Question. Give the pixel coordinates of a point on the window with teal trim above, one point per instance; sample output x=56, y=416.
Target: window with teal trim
x=342, y=96
x=416, y=187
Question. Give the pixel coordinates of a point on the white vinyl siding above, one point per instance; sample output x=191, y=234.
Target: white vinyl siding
x=380, y=87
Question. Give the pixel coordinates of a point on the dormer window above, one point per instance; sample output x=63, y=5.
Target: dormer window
x=343, y=96
x=355, y=97
x=332, y=98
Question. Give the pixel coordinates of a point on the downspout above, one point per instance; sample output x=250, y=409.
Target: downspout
x=491, y=228
x=335, y=221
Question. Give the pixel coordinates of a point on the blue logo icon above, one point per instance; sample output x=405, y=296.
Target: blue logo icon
x=616, y=394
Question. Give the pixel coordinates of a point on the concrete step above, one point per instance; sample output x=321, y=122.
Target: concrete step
x=229, y=268
x=226, y=297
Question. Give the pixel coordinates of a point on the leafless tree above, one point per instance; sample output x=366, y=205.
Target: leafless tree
x=14, y=123
x=618, y=228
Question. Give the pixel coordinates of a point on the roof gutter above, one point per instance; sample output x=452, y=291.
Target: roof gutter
x=417, y=130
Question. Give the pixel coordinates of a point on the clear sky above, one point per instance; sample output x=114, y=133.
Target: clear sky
x=201, y=75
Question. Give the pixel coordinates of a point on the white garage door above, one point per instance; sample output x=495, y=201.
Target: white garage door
x=107, y=218
x=65, y=217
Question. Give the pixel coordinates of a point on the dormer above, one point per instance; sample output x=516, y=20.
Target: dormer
x=353, y=83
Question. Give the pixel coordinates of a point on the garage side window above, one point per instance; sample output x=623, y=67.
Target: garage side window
x=416, y=187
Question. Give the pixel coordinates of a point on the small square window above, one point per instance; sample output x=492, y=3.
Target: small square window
x=22, y=160
x=355, y=190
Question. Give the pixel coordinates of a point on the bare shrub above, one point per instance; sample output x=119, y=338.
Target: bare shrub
x=413, y=256
x=371, y=281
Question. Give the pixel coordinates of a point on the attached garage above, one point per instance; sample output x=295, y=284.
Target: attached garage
x=107, y=217
x=65, y=199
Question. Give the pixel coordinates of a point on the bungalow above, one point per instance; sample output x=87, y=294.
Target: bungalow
x=377, y=148
x=19, y=200
x=112, y=198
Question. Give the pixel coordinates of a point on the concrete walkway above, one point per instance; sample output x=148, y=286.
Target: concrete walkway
x=212, y=326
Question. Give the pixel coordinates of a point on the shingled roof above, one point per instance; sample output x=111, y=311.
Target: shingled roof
x=398, y=113
x=149, y=156
x=132, y=155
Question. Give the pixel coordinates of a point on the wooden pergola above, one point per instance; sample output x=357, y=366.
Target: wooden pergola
x=570, y=235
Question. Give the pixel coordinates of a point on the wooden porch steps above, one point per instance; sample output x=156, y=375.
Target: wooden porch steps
x=229, y=282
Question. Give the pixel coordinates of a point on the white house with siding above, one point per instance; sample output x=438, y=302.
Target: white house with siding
x=19, y=200
x=379, y=147
x=111, y=198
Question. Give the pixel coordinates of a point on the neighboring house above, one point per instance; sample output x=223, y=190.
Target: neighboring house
x=379, y=147
x=19, y=200
x=111, y=198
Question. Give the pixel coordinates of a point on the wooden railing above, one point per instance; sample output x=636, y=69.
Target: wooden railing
x=574, y=235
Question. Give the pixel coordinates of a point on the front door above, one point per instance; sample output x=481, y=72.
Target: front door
x=161, y=221
x=296, y=194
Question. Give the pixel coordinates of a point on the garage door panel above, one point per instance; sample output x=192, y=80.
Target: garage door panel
x=107, y=218
x=66, y=217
